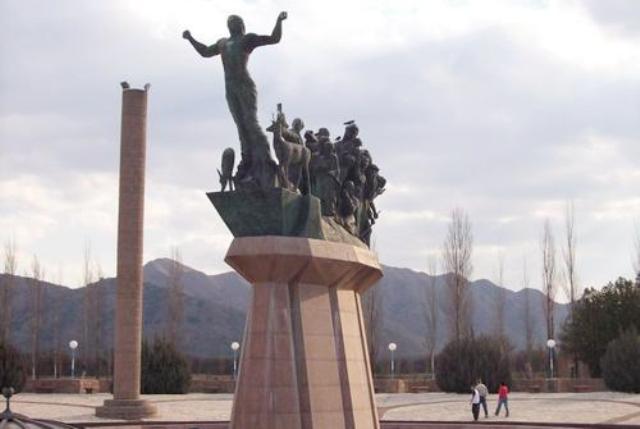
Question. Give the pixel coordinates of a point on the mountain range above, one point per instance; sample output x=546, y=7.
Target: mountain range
x=215, y=309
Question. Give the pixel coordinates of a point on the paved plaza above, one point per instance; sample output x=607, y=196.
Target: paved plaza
x=597, y=407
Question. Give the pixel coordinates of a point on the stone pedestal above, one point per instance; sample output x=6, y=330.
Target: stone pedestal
x=126, y=402
x=126, y=409
x=304, y=361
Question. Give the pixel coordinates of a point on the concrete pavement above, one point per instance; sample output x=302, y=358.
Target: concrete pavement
x=596, y=407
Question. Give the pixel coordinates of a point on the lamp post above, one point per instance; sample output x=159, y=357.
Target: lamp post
x=392, y=348
x=551, y=343
x=73, y=345
x=235, y=346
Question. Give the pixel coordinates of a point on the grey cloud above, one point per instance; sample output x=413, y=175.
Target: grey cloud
x=619, y=16
x=478, y=120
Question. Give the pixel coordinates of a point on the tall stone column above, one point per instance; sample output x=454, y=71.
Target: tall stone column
x=126, y=402
x=304, y=361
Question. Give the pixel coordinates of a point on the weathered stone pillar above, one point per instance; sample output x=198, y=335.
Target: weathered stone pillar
x=126, y=402
x=304, y=361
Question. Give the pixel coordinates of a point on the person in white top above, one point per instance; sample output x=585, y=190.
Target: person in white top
x=484, y=392
x=475, y=403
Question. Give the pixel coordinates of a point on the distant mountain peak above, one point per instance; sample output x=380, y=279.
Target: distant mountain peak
x=215, y=306
x=165, y=265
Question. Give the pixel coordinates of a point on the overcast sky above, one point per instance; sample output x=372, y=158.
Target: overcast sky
x=506, y=109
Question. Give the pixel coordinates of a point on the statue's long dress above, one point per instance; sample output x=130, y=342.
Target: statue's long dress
x=256, y=161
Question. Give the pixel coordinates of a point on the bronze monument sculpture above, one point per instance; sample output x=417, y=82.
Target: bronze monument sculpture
x=302, y=229
x=256, y=165
x=340, y=174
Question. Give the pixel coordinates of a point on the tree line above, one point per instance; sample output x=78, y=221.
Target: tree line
x=558, y=273
x=45, y=316
x=586, y=334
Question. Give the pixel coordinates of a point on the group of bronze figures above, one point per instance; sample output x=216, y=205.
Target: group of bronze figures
x=345, y=179
x=340, y=173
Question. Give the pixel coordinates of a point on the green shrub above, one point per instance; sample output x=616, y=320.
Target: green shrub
x=164, y=369
x=598, y=318
x=462, y=362
x=621, y=363
x=12, y=371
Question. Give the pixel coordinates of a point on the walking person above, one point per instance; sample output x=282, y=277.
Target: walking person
x=484, y=392
x=475, y=403
x=503, y=393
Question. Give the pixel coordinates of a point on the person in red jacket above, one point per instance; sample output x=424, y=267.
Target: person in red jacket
x=503, y=392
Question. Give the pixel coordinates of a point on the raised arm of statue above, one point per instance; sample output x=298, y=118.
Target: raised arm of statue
x=202, y=49
x=253, y=41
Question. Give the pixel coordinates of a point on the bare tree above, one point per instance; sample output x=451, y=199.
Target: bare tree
x=37, y=291
x=549, y=277
x=88, y=305
x=55, y=306
x=371, y=302
x=176, y=298
x=527, y=318
x=431, y=312
x=457, y=251
x=6, y=291
x=98, y=322
x=500, y=300
x=569, y=257
x=636, y=264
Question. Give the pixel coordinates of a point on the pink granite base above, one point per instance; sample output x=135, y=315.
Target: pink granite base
x=126, y=409
x=304, y=362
